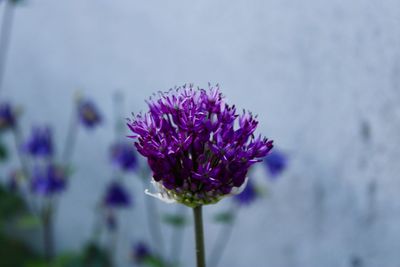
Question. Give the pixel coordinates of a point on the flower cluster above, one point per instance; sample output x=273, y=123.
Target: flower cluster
x=88, y=113
x=248, y=195
x=276, y=162
x=123, y=156
x=116, y=196
x=40, y=142
x=48, y=180
x=198, y=147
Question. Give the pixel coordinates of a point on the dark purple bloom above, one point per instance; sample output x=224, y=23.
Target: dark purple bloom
x=117, y=196
x=276, y=162
x=123, y=156
x=7, y=116
x=248, y=195
x=140, y=252
x=88, y=113
x=48, y=180
x=197, y=146
x=40, y=142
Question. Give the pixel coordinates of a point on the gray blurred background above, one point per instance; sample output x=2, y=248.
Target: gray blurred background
x=323, y=76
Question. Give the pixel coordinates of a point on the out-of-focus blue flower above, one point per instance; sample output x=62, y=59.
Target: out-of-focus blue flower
x=88, y=113
x=276, y=162
x=248, y=195
x=40, y=142
x=117, y=196
x=123, y=156
x=140, y=252
x=198, y=147
x=48, y=180
x=7, y=116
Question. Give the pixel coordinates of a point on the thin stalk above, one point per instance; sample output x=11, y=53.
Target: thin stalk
x=25, y=169
x=71, y=138
x=222, y=241
x=199, y=236
x=153, y=221
x=5, y=35
x=177, y=237
x=48, y=238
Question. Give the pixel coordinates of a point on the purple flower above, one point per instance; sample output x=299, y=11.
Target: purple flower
x=140, y=252
x=48, y=180
x=276, y=162
x=7, y=116
x=40, y=142
x=88, y=113
x=123, y=156
x=116, y=196
x=248, y=195
x=197, y=146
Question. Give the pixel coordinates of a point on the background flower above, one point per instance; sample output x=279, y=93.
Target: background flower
x=48, y=180
x=88, y=113
x=40, y=142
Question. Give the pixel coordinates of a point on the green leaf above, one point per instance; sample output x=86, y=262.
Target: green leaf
x=153, y=261
x=10, y=204
x=176, y=220
x=224, y=217
x=28, y=221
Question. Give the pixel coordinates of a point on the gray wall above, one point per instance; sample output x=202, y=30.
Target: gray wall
x=313, y=70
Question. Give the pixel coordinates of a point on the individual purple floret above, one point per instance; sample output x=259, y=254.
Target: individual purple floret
x=88, y=113
x=40, y=142
x=48, y=180
x=197, y=146
x=123, y=156
x=7, y=117
x=248, y=195
x=140, y=252
x=117, y=196
x=276, y=162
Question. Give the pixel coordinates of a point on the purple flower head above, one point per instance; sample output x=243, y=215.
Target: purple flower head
x=117, y=196
x=7, y=117
x=40, y=142
x=248, y=195
x=197, y=146
x=88, y=113
x=48, y=180
x=123, y=156
x=140, y=252
x=276, y=163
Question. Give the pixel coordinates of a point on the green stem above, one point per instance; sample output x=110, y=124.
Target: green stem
x=48, y=240
x=199, y=236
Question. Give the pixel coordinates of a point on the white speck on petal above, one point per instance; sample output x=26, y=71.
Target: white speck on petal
x=160, y=193
x=238, y=190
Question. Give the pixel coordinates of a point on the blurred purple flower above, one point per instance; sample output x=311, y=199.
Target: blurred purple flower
x=88, y=113
x=48, y=180
x=123, y=156
x=140, y=252
x=276, y=163
x=7, y=116
x=117, y=196
x=248, y=195
x=40, y=142
x=197, y=146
